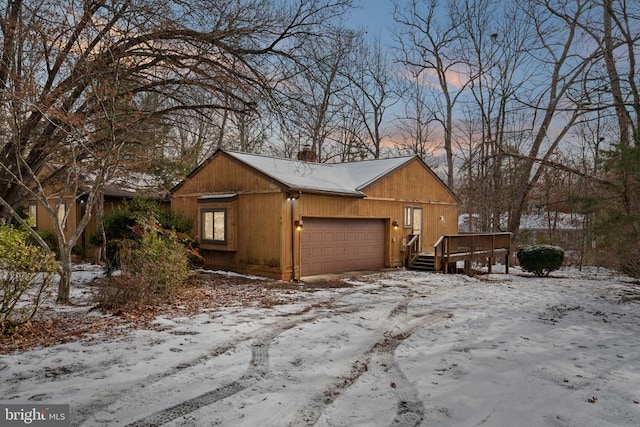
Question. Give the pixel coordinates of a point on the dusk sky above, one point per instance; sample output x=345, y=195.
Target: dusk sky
x=374, y=16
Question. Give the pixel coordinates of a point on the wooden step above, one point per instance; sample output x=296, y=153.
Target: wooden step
x=424, y=263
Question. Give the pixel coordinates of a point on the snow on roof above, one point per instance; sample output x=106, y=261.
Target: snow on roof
x=135, y=184
x=338, y=178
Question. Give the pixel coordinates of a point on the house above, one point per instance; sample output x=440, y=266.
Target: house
x=538, y=227
x=567, y=230
x=73, y=206
x=289, y=219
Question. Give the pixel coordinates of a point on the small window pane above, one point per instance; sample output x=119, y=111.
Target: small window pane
x=218, y=226
x=62, y=209
x=408, y=216
x=33, y=215
x=207, y=226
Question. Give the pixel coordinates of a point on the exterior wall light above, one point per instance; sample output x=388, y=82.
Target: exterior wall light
x=298, y=224
x=395, y=224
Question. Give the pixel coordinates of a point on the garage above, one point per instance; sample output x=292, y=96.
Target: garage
x=330, y=245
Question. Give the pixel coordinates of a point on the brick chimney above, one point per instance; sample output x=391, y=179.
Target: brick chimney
x=307, y=154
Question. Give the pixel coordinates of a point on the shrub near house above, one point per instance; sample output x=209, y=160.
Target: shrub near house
x=540, y=259
x=126, y=222
x=26, y=278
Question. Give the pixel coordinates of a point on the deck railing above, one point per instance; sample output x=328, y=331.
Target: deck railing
x=412, y=249
x=468, y=247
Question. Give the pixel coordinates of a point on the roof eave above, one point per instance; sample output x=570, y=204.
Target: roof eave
x=303, y=190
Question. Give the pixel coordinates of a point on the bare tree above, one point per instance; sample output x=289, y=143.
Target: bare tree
x=75, y=77
x=619, y=38
x=416, y=124
x=372, y=92
x=492, y=45
x=428, y=40
x=312, y=101
x=563, y=55
x=53, y=50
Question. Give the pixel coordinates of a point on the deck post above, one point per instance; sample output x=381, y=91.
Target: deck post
x=446, y=259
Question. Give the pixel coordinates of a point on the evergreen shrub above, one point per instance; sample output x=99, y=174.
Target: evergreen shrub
x=540, y=259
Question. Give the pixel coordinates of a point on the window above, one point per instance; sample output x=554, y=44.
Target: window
x=61, y=213
x=408, y=217
x=217, y=222
x=214, y=225
x=32, y=219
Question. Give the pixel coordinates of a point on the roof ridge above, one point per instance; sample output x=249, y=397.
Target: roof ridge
x=266, y=156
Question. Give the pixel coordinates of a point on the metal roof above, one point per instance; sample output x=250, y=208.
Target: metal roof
x=349, y=179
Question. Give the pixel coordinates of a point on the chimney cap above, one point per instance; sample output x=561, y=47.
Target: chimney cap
x=307, y=154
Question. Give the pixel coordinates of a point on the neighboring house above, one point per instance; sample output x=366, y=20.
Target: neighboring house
x=289, y=218
x=553, y=228
x=538, y=228
x=62, y=202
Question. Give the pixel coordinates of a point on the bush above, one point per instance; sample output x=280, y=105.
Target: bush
x=153, y=271
x=49, y=238
x=117, y=293
x=26, y=278
x=126, y=222
x=540, y=259
x=171, y=220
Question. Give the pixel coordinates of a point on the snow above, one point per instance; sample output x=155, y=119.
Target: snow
x=396, y=348
x=342, y=178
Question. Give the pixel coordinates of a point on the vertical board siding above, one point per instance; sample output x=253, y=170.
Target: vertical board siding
x=267, y=242
x=259, y=219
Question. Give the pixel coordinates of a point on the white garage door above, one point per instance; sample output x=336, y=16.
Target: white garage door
x=331, y=245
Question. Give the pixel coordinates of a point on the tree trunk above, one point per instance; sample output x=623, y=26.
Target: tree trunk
x=622, y=114
x=64, y=270
x=614, y=78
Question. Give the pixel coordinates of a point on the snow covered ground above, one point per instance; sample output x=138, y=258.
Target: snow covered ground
x=399, y=348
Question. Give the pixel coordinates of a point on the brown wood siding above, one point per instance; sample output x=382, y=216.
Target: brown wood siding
x=438, y=219
x=265, y=215
x=260, y=202
x=226, y=174
x=258, y=247
x=411, y=183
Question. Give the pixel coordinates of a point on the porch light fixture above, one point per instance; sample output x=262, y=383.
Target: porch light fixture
x=298, y=224
x=395, y=224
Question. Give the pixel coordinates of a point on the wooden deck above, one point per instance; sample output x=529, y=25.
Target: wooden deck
x=471, y=247
x=449, y=249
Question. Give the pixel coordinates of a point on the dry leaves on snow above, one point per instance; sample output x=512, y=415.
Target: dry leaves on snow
x=205, y=292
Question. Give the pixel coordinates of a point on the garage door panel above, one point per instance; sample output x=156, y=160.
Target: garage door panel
x=315, y=252
x=338, y=245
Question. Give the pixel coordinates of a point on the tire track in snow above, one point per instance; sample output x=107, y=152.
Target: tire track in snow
x=258, y=366
x=410, y=407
